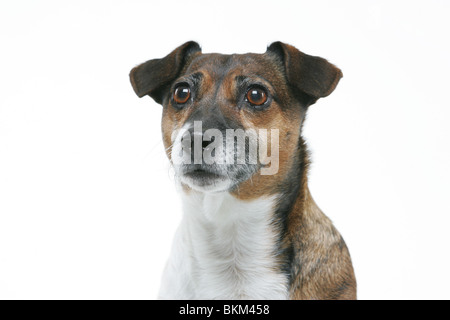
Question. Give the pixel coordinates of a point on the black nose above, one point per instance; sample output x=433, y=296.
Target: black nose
x=206, y=143
x=198, y=146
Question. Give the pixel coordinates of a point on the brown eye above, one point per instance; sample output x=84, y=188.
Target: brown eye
x=182, y=94
x=256, y=96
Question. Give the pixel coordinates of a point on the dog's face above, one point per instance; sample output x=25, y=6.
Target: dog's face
x=213, y=101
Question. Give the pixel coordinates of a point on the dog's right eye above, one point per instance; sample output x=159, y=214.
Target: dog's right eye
x=182, y=94
x=257, y=97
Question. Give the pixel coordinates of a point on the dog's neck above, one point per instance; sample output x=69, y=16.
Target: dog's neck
x=232, y=247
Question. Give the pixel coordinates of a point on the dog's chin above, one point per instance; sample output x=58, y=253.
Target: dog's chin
x=205, y=181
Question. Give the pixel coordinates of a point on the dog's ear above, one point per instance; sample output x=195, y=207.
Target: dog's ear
x=310, y=77
x=155, y=76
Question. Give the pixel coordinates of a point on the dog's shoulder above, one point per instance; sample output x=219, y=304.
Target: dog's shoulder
x=322, y=267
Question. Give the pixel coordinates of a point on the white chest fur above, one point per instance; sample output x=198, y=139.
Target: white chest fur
x=224, y=249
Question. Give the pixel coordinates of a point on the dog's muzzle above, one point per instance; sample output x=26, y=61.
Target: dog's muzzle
x=209, y=160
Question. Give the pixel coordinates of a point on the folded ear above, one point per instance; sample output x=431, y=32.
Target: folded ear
x=310, y=77
x=155, y=76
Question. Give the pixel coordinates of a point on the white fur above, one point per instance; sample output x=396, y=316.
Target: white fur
x=224, y=249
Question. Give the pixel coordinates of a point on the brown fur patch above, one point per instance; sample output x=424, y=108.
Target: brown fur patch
x=321, y=266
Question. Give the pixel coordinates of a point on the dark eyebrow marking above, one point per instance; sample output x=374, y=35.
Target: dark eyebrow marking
x=240, y=80
x=196, y=77
x=193, y=79
x=244, y=80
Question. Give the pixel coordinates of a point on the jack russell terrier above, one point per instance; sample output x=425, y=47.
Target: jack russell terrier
x=250, y=227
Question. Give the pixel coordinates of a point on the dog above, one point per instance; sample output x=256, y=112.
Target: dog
x=244, y=234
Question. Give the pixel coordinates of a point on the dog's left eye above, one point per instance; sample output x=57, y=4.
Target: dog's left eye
x=182, y=94
x=256, y=96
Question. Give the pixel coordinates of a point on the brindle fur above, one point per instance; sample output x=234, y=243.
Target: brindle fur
x=311, y=251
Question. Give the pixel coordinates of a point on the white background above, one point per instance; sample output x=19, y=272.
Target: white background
x=88, y=207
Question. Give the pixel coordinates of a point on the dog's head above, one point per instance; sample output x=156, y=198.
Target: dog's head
x=214, y=101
